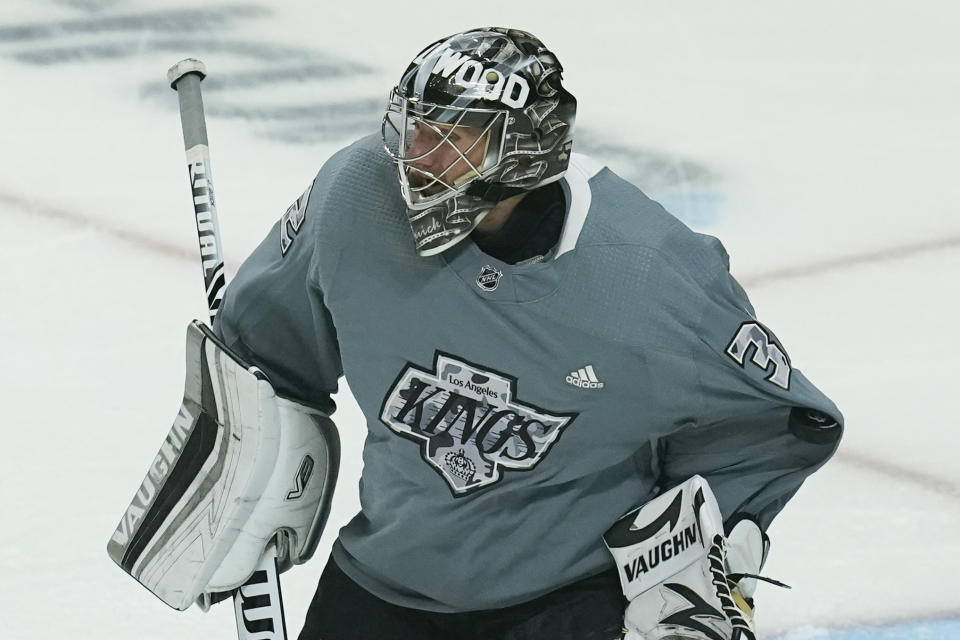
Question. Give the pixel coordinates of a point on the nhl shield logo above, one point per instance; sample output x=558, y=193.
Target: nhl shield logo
x=468, y=422
x=489, y=278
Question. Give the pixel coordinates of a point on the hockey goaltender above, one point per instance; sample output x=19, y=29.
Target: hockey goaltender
x=577, y=428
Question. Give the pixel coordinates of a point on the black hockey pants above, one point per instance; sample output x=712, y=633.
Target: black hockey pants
x=591, y=609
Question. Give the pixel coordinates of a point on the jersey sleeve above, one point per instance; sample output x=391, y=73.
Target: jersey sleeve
x=758, y=427
x=273, y=314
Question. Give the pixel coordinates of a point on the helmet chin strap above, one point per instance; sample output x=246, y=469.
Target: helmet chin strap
x=493, y=192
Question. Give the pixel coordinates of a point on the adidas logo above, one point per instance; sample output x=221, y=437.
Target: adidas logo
x=585, y=378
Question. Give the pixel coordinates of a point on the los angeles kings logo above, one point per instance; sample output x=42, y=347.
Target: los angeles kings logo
x=468, y=422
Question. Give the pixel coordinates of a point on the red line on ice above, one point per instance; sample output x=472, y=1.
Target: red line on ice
x=884, y=467
x=35, y=208
x=838, y=263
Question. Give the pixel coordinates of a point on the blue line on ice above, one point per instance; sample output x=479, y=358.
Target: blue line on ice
x=925, y=630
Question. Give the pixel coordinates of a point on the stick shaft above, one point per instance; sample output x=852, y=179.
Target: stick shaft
x=258, y=604
x=201, y=185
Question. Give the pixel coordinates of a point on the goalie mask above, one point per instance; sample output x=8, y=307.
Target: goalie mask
x=476, y=118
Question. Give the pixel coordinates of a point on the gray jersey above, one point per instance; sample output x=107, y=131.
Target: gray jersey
x=514, y=412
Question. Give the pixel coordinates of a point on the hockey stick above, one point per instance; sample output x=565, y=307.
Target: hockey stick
x=185, y=78
x=258, y=604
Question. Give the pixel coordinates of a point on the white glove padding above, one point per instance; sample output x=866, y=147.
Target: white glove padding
x=239, y=465
x=671, y=555
x=747, y=548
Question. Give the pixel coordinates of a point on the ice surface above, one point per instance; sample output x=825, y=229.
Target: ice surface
x=818, y=140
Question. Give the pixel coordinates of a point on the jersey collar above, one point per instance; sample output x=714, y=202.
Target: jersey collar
x=498, y=281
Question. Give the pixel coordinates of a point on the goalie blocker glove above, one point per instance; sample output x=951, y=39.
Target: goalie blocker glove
x=239, y=467
x=680, y=573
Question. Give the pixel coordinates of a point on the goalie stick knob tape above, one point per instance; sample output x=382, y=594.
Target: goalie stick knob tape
x=182, y=68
